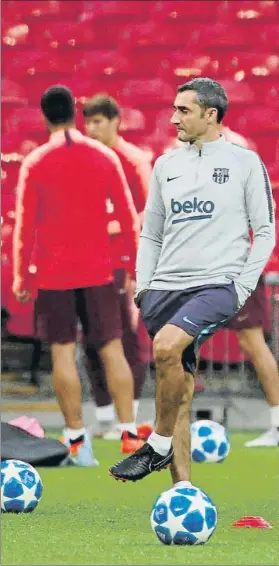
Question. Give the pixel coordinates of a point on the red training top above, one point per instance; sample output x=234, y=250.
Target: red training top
x=61, y=203
x=137, y=169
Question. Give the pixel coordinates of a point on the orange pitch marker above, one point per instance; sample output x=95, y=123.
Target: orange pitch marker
x=253, y=522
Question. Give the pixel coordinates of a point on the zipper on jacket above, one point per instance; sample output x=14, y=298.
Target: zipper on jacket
x=197, y=170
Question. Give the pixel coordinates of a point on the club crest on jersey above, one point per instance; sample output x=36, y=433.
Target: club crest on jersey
x=220, y=175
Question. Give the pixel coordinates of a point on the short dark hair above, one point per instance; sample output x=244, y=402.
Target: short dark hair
x=210, y=94
x=101, y=104
x=58, y=105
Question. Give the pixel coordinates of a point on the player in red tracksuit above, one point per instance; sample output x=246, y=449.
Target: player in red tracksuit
x=102, y=118
x=61, y=202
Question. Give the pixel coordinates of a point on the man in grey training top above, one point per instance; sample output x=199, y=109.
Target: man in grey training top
x=196, y=266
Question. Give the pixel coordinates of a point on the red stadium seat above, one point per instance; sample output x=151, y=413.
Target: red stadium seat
x=10, y=165
x=257, y=120
x=238, y=92
x=114, y=85
x=219, y=36
x=268, y=147
x=182, y=10
x=257, y=64
x=146, y=61
x=14, y=35
x=13, y=93
x=186, y=65
x=15, y=145
x=26, y=119
x=8, y=209
x=14, y=11
x=69, y=9
x=30, y=62
x=110, y=33
x=38, y=33
x=266, y=90
x=264, y=37
x=131, y=119
x=245, y=65
x=159, y=120
x=65, y=33
x=156, y=33
x=41, y=9
x=250, y=11
x=103, y=62
x=272, y=170
x=114, y=8
x=146, y=92
x=201, y=38
x=6, y=235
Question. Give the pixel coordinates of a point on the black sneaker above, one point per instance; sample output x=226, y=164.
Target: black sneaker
x=140, y=464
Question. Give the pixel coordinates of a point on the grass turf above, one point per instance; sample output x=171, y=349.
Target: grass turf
x=86, y=517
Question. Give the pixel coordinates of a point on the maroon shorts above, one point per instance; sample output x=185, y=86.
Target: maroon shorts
x=254, y=312
x=97, y=308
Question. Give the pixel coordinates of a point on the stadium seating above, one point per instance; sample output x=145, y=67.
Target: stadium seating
x=26, y=119
x=12, y=94
x=41, y=9
x=100, y=62
x=24, y=63
x=139, y=52
x=186, y=11
x=115, y=9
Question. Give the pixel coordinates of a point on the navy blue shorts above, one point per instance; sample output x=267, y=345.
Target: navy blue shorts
x=199, y=311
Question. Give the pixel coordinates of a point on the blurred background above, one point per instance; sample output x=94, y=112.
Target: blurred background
x=137, y=52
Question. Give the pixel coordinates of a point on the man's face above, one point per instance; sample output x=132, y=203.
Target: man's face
x=189, y=118
x=101, y=128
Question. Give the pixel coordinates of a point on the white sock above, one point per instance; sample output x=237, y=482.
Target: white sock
x=130, y=427
x=136, y=407
x=105, y=413
x=274, y=414
x=74, y=433
x=182, y=483
x=161, y=444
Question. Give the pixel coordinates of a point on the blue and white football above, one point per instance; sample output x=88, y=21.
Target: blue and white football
x=184, y=516
x=21, y=487
x=209, y=442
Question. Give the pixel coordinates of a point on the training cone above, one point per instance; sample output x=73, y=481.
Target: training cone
x=253, y=522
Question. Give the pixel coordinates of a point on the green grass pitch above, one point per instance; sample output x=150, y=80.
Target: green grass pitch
x=86, y=517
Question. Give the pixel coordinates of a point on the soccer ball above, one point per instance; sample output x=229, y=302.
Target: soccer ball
x=184, y=516
x=209, y=442
x=21, y=487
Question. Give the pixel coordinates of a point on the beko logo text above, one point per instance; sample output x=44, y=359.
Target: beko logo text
x=204, y=208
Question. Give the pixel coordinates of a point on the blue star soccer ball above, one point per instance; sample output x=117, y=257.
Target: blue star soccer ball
x=209, y=442
x=184, y=516
x=21, y=487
